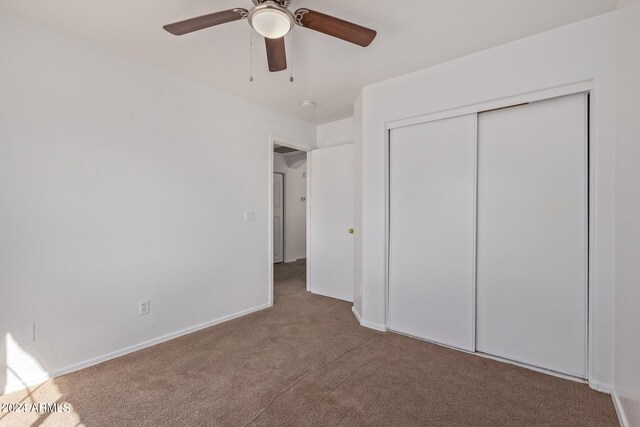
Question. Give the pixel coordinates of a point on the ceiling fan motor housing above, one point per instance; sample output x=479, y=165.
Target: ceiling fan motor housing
x=283, y=3
x=270, y=19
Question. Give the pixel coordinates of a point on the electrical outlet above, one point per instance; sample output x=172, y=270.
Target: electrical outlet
x=145, y=307
x=249, y=216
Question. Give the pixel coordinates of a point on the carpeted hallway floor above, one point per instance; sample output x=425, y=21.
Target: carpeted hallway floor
x=304, y=362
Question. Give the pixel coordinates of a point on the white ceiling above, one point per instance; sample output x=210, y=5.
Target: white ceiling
x=412, y=34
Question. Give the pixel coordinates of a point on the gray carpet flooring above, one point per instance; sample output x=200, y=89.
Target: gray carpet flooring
x=307, y=362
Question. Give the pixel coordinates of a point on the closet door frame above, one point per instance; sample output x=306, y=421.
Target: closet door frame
x=586, y=87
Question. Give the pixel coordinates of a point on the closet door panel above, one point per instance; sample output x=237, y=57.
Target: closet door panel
x=432, y=217
x=532, y=234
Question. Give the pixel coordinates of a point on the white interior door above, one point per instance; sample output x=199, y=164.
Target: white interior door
x=278, y=217
x=432, y=236
x=331, y=247
x=532, y=234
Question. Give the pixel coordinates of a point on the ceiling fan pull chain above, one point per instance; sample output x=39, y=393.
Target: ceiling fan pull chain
x=291, y=56
x=250, y=55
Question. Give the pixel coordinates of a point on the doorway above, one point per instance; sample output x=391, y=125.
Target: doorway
x=288, y=211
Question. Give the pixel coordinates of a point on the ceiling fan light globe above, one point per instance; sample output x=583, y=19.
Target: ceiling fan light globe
x=271, y=23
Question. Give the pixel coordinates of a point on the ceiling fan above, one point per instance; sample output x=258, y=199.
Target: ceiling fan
x=273, y=20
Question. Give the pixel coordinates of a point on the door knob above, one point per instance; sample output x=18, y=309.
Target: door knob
x=351, y=230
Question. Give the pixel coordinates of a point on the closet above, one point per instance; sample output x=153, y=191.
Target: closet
x=488, y=232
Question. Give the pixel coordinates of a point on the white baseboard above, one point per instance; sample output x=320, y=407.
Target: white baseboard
x=355, y=313
x=622, y=416
x=603, y=388
x=118, y=353
x=374, y=326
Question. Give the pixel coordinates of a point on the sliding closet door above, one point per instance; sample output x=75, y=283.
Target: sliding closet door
x=432, y=208
x=532, y=234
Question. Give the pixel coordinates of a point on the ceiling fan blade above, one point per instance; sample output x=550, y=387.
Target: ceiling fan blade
x=205, y=21
x=335, y=27
x=276, y=54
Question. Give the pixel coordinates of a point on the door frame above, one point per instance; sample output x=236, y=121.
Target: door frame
x=284, y=215
x=587, y=87
x=273, y=140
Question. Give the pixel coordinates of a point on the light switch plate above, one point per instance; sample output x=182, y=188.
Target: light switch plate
x=145, y=307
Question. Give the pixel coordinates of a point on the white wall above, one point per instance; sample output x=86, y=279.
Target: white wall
x=118, y=182
x=575, y=53
x=627, y=337
x=340, y=132
x=295, y=210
